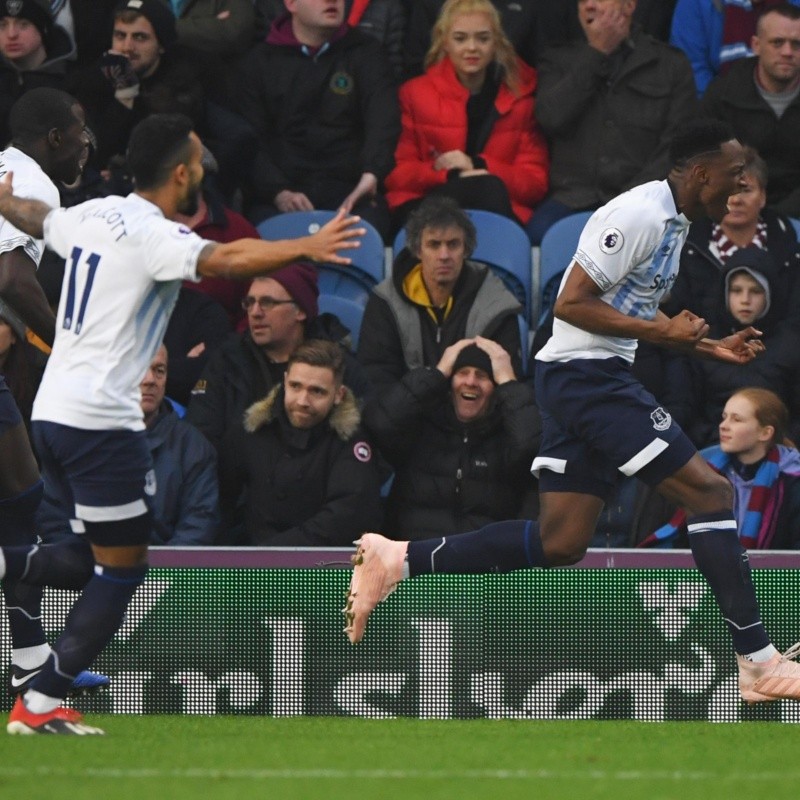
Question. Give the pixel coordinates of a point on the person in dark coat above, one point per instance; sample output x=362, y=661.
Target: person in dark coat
x=310, y=474
x=143, y=72
x=197, y=326
x=609, y=103
x=186, y=500
x=385, y=20
x=759, y=98
x=34, y=52
x=461, y=438
x=321, y=98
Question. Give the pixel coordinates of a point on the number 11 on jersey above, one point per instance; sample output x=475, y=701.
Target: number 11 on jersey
x=77, y=260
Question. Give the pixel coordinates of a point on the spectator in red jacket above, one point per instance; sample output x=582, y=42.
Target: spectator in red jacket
x=468, y=127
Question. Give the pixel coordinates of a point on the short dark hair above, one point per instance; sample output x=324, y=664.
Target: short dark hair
x=439, y=212
x=320, y=353
x=157, y=145
x=698, y=137
x=38, y=111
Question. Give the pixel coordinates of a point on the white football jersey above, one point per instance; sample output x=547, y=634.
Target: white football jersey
x=29, y=182
x=631, y=249
x=125, y=264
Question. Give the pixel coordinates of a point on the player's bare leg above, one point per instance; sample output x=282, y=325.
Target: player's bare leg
x=377, y=569
x=567, y=522
x=379, y=564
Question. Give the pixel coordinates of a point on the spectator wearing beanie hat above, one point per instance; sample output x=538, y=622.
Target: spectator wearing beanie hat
x=157, y=14
x=300, y=281
x=282, y=313
x=143, y=72
x=461, y=438
x=34, y=52
x=751, y=285
x=25, y=30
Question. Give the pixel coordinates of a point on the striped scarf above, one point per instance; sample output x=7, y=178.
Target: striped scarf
x=756, y=521
x=723, y=248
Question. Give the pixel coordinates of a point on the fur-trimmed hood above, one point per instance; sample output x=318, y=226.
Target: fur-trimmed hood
x=343, y=420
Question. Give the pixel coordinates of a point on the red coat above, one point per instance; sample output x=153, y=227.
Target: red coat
x=434, y=117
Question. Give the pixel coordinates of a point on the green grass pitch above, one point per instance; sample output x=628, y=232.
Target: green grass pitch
x=153, y=757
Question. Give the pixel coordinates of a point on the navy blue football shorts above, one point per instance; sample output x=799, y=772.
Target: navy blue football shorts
x=598, y=421
x=98, y=477
x=9, y=413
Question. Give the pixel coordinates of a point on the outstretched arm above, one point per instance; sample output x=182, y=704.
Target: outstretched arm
x=245, y=258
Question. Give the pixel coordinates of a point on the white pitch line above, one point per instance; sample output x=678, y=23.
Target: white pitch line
x=198, y=773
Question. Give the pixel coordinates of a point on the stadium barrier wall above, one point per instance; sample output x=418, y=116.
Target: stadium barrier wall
x=624, y=635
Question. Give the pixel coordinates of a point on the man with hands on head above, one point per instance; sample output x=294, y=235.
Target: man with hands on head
x=461, y=437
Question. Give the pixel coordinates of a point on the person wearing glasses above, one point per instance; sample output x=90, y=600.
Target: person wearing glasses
x=759, y=98
x=282, y=312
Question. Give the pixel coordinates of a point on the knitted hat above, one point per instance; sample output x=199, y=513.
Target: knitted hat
x=758, y=264
x=158, y=14
x=474, y=356
x=14, y=322
x=300, y=280
x=35, y=11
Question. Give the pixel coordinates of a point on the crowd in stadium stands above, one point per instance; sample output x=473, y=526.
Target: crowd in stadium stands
x=267, y=423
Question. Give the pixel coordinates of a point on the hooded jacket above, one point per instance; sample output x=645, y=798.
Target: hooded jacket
x=699, y=286
x=316, y=487
x=434, y=120
x=777, y=368
x=398, y=334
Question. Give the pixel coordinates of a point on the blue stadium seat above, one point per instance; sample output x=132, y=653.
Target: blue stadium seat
x=504, y=246
x=558, y=247
x=354, y=281
x=348, y=311
x=796, y=224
